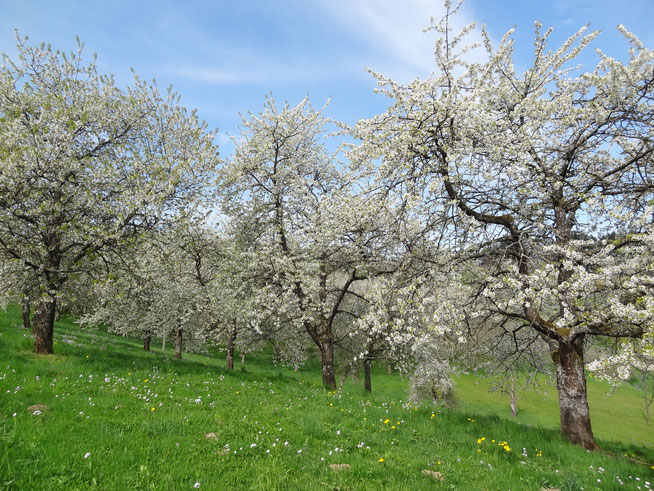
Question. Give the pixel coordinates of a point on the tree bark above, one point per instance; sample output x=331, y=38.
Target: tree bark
x=27, y=307
x=573, y=399
x=178, y=342
x=146, y=342
x=163, y=343
x=327, y=364
x=367, y=363
x=231, y=337
x=43, y=325
x=242, y=359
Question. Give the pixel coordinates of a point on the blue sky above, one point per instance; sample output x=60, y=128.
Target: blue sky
x=224, y=57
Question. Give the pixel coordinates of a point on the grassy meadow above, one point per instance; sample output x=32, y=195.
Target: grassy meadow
x=116, y=417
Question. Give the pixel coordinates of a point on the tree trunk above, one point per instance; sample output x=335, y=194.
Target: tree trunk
x=648, y=401
x=178, y=342
x=367, y=363
x=512, y=395
x=327, y=364
x=231, y=337
x=573, y=400
x=146, y=342
x=163, y=343
x=242, y=358
x=27, y=307
x=389, y=370
x=43, y=326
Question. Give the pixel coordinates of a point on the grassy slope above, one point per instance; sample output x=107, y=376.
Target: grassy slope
x=614, y=416
x=101, y=391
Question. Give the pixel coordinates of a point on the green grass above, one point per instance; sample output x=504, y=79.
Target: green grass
x=277, y=429
x=614, y=415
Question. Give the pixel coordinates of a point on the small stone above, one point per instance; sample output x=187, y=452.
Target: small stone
x=37, y=409
x=211, y=436
x=339, y=467
x=435, y=474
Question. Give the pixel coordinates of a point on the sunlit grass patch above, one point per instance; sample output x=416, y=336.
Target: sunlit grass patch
x=123, y=418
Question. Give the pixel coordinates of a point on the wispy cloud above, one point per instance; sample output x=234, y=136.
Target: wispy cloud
x=256, y=73
x=394, y=30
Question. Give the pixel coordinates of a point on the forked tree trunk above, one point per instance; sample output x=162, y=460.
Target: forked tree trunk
x=327, y=364
x=367, y=363
x=146, y=342
x=27, y=307
x=178, y=342
x=43, y=325
x=573, y=399
x=231, y=337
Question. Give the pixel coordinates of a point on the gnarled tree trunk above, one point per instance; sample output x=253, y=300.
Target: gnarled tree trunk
x=43, y=325
x=27, y=307
x=327, y=364
x=178, y=342
x=573, y=399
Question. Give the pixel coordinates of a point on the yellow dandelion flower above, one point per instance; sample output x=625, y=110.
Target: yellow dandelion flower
x=479, y=450
x=152, y=409
x=386, y=421
x=146, y=380
x=507, y=448
x=393, y=427
x=381, y=460
x=478, y=441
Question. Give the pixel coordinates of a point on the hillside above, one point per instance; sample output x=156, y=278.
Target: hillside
x=117, y=417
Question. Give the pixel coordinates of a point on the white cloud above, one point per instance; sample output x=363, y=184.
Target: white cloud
x=394, y=29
